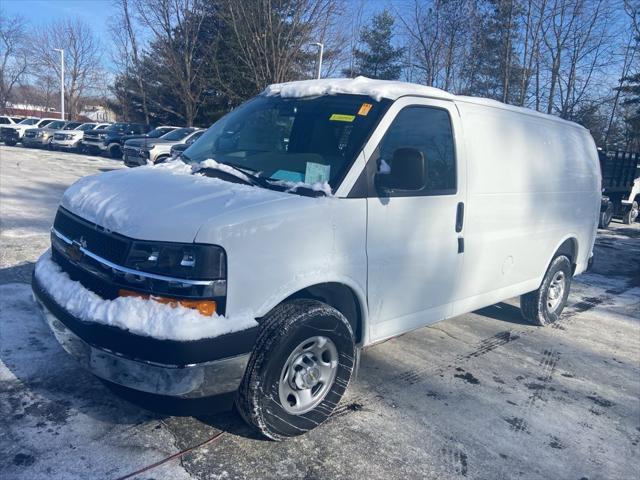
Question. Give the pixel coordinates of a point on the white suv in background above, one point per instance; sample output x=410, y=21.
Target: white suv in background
x=4, y=120
x=28, y=123
x=72, y=139
x=142, y=150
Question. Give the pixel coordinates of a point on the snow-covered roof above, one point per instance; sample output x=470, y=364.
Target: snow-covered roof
x=377, y=89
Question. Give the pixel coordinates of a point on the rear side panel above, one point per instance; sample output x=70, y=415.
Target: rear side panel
x=532, y=183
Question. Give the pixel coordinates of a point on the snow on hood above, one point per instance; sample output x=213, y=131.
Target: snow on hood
x=137, y=315
x=165, y=202
x=376, y=89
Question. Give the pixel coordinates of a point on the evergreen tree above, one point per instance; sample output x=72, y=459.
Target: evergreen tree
x=494, y=70
x=379, y=59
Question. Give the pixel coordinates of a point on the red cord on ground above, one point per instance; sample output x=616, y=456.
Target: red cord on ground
x=172, y=457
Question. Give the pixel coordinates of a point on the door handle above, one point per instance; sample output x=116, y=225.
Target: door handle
x=459, y=217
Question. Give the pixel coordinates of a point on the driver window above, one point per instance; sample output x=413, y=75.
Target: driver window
x=427, y=129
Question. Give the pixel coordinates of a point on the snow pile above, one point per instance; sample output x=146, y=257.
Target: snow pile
x=323, y=187
x=211, y=163
x=137, y=315
x=376, y=89
x=164, y=202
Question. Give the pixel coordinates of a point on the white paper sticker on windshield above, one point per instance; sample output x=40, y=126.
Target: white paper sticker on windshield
x=316, y=173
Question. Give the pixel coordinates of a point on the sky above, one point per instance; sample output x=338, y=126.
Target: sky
x=94, y=12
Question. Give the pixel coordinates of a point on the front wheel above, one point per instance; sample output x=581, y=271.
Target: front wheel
x=115, y=151
x=544, y=305
x=299, y=369
x=11, y=143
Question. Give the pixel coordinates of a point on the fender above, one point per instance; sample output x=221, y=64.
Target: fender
x=291, y=288
x=570, y=236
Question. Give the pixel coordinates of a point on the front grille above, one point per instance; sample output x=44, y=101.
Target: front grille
x=30, y=134
x=59, y=136
x=94, y=238
x=131, y=151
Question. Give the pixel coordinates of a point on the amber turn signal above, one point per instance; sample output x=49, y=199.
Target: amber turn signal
x=205, y=307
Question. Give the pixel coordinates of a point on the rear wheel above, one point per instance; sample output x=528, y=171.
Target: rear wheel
x=299, y=369
x=544, y=305
x=11, y=143
x=606, y=216
x=631, y=214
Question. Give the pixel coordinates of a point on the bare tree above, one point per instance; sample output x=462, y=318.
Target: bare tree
x=128, y=54
x=13, y=55
x=81, y=55
x=177, y=27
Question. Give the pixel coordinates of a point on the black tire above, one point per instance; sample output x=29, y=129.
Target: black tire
x=115, y=151
x=606, y=216
x=535, y=306
x=631, y=214
x=11, y=143
x=288, y=326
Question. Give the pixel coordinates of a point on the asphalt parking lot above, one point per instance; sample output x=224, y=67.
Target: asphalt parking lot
x=480, y=396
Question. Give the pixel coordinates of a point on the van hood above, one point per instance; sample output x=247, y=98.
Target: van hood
x=165, y=202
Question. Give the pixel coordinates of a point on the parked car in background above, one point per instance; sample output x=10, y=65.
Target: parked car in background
x=42, y=136
x=22, y=127
x=9, y=136
x=140, y=151
x=153, y=134
x=71, y=138
x=439, y=205
x=111, y=139
x=178, y=148
x=4, y=120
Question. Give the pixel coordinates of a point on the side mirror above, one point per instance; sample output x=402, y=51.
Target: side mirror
x=408, y=172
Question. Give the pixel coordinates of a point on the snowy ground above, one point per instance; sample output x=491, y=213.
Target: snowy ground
x=480, y=396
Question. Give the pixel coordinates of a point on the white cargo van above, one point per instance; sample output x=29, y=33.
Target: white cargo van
x=316, y=219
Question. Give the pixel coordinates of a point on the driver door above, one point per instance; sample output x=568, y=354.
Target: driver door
x=415, y=243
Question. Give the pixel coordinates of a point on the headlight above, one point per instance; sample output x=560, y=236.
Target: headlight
x=40, y=134
x=181, y=260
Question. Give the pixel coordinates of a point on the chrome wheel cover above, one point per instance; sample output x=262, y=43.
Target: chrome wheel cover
x=555, y=292
x=307, y=375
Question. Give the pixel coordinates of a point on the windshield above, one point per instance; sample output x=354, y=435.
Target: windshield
x=71, y=125
x=86, y=126
x=306, y=140
x=117, y=127
x=29, y=121
x=177, y=134
x=160, y=131
x=56, y=125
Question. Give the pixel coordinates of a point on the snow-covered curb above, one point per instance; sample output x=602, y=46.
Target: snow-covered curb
x=139, y=316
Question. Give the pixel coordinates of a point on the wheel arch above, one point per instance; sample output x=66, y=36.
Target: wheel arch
x=568, y=247
x=347, y=299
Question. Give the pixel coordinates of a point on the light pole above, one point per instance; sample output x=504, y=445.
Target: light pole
x=320, y=52
x=61, y=81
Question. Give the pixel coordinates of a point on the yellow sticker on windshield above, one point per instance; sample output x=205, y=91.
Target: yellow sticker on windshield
x=365, y=108
x=339, y=117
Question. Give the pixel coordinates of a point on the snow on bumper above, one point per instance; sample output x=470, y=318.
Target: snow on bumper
x=84, y=324
x=136, y=315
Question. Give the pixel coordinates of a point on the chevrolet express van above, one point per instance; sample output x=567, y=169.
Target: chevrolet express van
x=314, y=220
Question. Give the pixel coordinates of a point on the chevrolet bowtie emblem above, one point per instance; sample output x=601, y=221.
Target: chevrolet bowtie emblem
x=74, y=250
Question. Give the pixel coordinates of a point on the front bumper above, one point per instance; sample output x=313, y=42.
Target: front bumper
x=96, y=144
x=65, y=143
x=163, y=367
x=35, y=141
